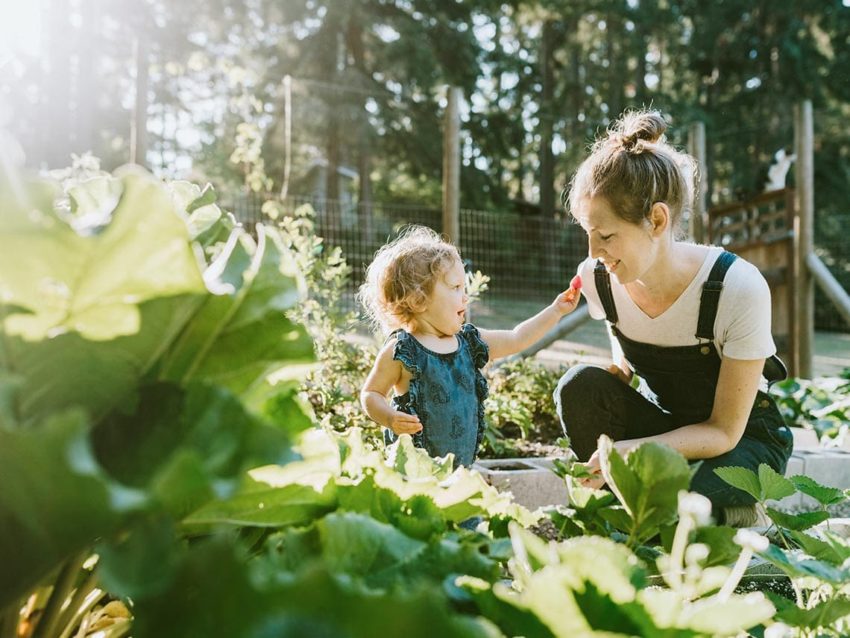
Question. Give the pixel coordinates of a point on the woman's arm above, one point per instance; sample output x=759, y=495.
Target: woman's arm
x=737, y=386
x=502, y=343
x=736, y=391
x=386, y=373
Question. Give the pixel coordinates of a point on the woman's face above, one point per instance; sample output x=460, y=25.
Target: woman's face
x=627, y=250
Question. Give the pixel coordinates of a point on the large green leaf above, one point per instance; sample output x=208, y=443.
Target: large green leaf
x=798, y=522
x=502, y=607
x=767, y=485
x=821, y=493
x=714, y=617
x=277, y=507
x=242, y=334
x=184, y=444
x=93, y=285
x=796, y=565
x=69, y=370
x=54, y=500
x=103, y=305
x=647, y=483
x=833, y=550
x=742, y=478
x=822, y=615
x=214, y=593
x=774, y=486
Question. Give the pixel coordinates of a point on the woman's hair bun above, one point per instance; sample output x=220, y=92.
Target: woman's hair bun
x=647, y=126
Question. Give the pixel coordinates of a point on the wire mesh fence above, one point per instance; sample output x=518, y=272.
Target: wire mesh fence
x=528, y=258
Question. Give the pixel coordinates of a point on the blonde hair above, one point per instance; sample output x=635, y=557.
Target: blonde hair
x=402, y=277
x=633, y=167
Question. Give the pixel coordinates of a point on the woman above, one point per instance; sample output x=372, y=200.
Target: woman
x=692, y=321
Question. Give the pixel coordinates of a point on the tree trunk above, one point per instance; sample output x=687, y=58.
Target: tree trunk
x=86, y=78
x=59, y=76
x=547, y=115
x=354, y=39
x=616, y=65
x=332, y=141
x=576, y=87
x=139, y=125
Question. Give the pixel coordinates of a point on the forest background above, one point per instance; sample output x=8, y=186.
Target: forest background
x=345, y=99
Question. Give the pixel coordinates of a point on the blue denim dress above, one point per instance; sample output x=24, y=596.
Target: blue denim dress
x=447, y=392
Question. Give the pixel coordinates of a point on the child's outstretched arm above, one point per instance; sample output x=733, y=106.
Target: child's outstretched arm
x=385, y=374
x=506, y=342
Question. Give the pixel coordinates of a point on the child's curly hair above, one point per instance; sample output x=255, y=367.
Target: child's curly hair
x=402, y=276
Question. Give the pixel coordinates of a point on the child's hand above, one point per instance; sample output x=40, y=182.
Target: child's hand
x=403, y=423
x=567, y=301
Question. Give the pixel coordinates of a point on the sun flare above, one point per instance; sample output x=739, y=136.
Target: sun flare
x=20, y=27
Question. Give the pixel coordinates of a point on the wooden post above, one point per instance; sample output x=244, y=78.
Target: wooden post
x=451, y=166
x=804, y=309
x=696, y=148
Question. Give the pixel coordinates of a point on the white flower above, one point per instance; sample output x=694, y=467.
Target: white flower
x=751, y=540
x=778, y=630
x=696, y=553
x=695, y=506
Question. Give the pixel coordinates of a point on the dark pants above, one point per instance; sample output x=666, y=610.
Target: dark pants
x=591, y=401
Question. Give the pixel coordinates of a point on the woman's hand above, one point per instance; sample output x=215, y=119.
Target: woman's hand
x=597, y=480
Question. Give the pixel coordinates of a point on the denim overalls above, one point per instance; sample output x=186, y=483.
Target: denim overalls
x=678, y=386
x=447, y=392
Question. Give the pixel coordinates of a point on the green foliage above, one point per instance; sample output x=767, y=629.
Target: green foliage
x=173, y=466
x=647, y=483
x=333, y=388
x=520, y=406
x=588, y=585
x=767, y=485
x=822, y=405
x=135, y=390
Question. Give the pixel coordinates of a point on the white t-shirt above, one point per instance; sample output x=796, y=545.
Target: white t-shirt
x=741, y=328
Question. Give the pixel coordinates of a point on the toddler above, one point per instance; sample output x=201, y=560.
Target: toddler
x=432, y=359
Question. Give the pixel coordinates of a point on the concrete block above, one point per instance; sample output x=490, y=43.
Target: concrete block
x=838, y=526
x=830, y=467
x=805, y=439
x=796, y=464
x=530, y=481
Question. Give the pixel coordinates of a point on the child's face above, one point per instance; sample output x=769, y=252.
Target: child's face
x=626, y=249
x=446, y=307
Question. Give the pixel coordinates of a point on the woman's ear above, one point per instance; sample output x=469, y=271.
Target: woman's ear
x=659, y=218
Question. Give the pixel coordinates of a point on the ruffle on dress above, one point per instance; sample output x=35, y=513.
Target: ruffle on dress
x=405, y=352
x=480, y=356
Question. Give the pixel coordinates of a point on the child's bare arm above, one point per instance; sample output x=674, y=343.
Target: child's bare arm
x=385, y=374
x=506, y=342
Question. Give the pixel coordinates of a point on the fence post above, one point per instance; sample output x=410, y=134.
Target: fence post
x=804, y=306
x=696, y=148
x=451, y=166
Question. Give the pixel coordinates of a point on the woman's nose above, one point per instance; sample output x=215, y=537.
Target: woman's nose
x=593, y=248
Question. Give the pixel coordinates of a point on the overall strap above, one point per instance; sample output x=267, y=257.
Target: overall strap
x=711, y=295
x=603, y=288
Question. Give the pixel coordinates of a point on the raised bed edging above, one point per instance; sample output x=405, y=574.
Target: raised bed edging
x=534, y=485
x=530, y=480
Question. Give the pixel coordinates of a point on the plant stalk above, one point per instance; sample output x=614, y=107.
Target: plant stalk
x=46, y=627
